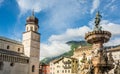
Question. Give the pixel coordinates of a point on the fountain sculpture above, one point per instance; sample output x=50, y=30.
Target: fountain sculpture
x=100, y=62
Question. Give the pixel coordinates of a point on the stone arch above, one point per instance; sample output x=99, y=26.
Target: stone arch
x=1, y=65
x=31, y=28
x=12, y=64
x=18, y=49
x=8, y=47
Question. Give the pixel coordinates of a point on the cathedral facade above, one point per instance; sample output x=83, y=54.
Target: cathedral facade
x=21, y=57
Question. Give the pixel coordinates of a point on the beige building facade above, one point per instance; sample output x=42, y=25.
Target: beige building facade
x=21, y=57
x=115, y=53
x=10, y=44
x=116, y=56
x=64, y=65
x=82, y=49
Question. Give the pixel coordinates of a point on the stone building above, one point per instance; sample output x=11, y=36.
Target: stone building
x=64, y=65
x=82, y=49
x=115, y=53
x=116, y=56
x=21, y=57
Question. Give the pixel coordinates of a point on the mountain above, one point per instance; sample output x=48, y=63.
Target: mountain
x=82, y=43
x=73, y=44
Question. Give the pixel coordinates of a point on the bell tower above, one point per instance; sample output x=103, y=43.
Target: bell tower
x=31, y=42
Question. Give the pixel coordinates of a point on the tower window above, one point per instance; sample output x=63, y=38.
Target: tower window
x=35, y=29
x=68, y=71
x=27, y=61
x=65, y=71
x=62, y=71
x=33, y=68
x=18, y=49
x=31, y=28
x=8, y=47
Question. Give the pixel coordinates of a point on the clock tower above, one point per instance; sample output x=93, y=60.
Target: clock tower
x=31, y=42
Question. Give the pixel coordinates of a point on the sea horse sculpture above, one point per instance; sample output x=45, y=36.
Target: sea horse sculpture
x=86, y=66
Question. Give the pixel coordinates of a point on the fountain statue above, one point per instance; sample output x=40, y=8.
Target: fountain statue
x=97, y=21
x=100, y=62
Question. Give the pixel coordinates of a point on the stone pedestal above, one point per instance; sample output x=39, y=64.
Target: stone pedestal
x=97, y=38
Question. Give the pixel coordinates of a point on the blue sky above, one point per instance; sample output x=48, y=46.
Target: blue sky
x=59, y=20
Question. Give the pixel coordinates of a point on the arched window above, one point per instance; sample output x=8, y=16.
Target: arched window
x=1, y=65
x=18, y=49
x=8, y=47
x=31, y=28
x=11, y=64
x=33, y=68
x=36, y=29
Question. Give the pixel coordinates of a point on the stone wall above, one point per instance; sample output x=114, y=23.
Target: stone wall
x=11, y=45
x=31, y=42
x=14, y=68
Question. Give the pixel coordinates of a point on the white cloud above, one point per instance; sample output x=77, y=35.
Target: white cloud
x=53, y=49
x=115, y=31
x=62, y=13
x=70, y=34
x=57, y=44
x=113, y=42
x=112, y=27
x=26, y=5
x=95, y=5
x=37, y=5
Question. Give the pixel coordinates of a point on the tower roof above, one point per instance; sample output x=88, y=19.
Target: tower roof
x=32, y=19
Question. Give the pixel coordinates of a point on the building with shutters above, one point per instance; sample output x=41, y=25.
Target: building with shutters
x=64, y=65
